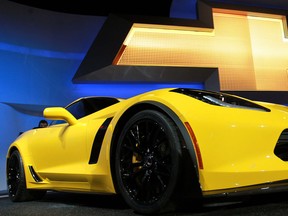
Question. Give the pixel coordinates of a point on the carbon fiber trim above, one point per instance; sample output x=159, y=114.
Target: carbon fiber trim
x=98, y=141
x=34, y=174
x=279, y=186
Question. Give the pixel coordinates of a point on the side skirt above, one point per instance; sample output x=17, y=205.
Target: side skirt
x=273, y=187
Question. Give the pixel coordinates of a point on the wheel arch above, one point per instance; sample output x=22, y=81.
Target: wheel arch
x=21, y=151
x=13, y=148
x=10, y=151
x=189, y=185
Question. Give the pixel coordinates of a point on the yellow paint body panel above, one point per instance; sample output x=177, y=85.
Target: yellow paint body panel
x=236, y=145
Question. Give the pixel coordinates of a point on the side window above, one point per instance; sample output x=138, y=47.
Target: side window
x=86, y=106
x=77, y=109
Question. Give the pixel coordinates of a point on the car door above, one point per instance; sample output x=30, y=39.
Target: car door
x=59, y=151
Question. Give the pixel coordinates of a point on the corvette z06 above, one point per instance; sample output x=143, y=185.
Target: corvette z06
x=156, y=150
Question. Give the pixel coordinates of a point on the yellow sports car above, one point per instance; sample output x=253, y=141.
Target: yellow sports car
x=157, y=149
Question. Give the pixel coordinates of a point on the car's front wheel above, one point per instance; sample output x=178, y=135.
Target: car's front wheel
x=16, y=182
x=147, y=162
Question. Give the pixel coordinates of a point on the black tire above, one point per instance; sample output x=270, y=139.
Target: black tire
x=16, y=181
x=147, y=162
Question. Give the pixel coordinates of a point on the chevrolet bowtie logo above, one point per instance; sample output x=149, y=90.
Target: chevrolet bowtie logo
x=248, y=50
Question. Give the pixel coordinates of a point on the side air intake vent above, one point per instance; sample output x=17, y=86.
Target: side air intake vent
x=34, y=174
x=281, y=148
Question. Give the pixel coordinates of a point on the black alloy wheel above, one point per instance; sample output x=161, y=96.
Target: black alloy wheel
x=16, y=181
x=147, y=162
x=14, y=175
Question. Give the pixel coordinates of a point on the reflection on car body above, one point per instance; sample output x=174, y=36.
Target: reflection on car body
x=155, y=149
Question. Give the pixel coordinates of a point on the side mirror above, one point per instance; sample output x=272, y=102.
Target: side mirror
x=59, y=113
